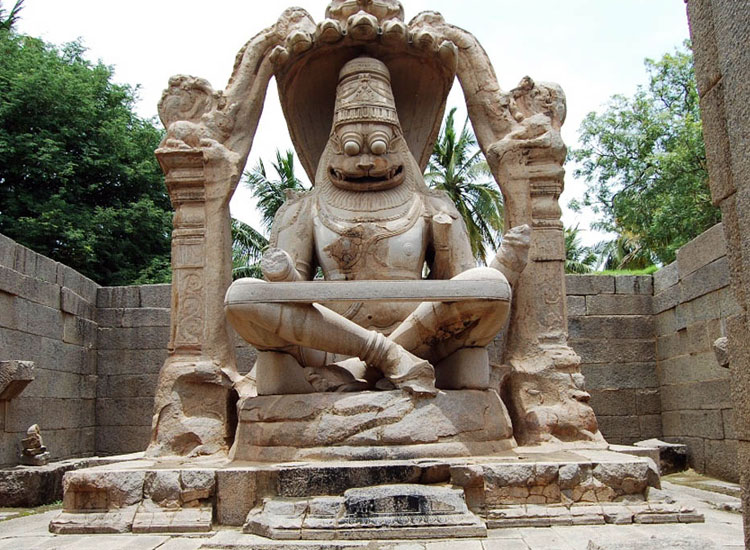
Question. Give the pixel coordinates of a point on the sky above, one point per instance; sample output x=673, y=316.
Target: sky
x=592, y=48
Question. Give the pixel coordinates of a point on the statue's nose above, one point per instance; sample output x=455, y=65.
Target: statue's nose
x=365, y=165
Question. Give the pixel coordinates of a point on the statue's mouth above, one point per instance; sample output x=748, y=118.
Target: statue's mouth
x=367, y=182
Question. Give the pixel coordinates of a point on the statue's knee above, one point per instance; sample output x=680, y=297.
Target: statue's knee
x=480, y=274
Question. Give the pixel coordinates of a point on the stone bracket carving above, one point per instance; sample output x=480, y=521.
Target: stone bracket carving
x=14, y=377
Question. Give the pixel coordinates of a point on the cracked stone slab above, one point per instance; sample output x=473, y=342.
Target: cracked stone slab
x=118, y=520
x=402, y=511
x=179, y=520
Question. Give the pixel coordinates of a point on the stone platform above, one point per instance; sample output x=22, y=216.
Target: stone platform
x=418, y=498
x=374, y=425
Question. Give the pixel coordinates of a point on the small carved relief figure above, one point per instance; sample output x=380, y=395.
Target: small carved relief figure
x=370, y=216
x=34, y=453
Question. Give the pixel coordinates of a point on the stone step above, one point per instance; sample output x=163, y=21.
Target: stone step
x=522, y=486
x=400, y=511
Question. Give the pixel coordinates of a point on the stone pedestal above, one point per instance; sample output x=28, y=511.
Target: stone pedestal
x=371, y=426
x=446, y=497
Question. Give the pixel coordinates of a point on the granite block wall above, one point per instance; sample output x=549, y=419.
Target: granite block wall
x=611, y=327
x=47, y=315
x=692, y=301
x=133, y=336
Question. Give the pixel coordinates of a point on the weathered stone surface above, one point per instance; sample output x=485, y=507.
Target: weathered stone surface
x=665, y=277
x=706, y=279
x=576, y=305
x=380, y=512
x=718, y=152
x=721, y=459
x=14, y=377
x=151, y=519
x=369, y=425
x=620, y=351
x=634, y=284
x=116, y=520
x=197, y=485
x=619, y=304
x=690, y=543
x=163, y=487
x=621, y=375
x=156, y=296
x=702, y=250
x=589, y=284
x=612, y=327
x=104, y=489
x=118, y=297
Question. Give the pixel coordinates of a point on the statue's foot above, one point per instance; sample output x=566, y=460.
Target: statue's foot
x=413, y=374
x=336, y=377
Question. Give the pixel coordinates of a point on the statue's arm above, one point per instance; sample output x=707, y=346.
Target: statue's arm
x=290, y=256
x=449, y=240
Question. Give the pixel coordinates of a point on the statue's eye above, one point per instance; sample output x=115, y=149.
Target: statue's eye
x=378, y=146
x=351, y=147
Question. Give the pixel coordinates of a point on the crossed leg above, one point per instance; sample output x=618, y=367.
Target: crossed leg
x=430, y=333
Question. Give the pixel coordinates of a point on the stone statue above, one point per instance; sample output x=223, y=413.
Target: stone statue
x=34, y=453
x=370, y=216
x=364, y=93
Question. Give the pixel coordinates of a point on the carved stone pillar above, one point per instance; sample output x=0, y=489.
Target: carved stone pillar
x=192, y=407
x=547, y=397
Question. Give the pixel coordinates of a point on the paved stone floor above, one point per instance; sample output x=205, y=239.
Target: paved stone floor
x=722, y=530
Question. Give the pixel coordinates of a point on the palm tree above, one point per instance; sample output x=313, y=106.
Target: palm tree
x=271, y=194
x=457, y=167
x=247, y=248
x=248, y=243
x=7, y=21
x=624, y=252
x=578, y=258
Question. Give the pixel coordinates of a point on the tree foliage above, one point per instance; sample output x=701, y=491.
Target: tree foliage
x=645, y=163
x=457, y=167
x=271, y=193
x=8, y=21
x=579, y=259
x=249, y=243
x=78, y=178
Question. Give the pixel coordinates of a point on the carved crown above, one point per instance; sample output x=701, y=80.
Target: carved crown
x=307, y=67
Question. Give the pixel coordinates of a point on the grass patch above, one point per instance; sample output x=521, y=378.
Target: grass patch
x=14, y=513
x=645, y=271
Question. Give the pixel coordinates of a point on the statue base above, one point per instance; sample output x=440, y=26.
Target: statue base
x=358, y=500
x=377, y=425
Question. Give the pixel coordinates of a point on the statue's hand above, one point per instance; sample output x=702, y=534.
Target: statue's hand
x=278, y=266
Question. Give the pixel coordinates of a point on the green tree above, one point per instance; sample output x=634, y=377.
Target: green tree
x=624, y=252
x=578, y=258
x=249, y=243
x=78, y=178
x=8, y=21
x=645, y=163
x=271, y=193
x=457, y=167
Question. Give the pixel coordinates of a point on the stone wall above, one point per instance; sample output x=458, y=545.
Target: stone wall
x=719, y=29
x=611, y=327
x=47, y=315
x=133, y=335
x=692, y=301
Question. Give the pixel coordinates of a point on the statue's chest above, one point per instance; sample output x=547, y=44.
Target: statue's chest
x=372, y=249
